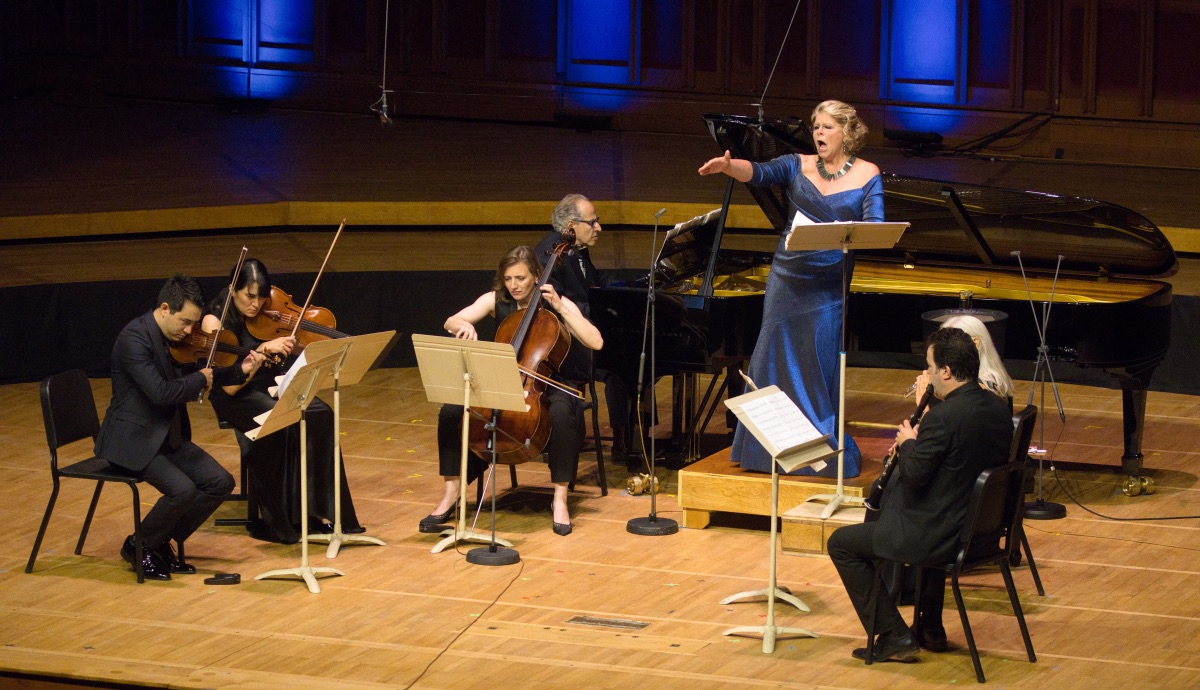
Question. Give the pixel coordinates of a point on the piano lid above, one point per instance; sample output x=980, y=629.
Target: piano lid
x=963, y=224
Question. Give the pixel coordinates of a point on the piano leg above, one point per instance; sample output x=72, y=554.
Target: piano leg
x=1134, y=386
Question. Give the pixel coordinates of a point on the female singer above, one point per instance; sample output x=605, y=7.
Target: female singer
x=801, y=333
x=512, y=289
x=274, y=460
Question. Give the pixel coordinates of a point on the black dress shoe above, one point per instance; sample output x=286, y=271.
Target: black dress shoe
x=152, y=569
x=319, y=526
x=167, y=556
x=933, y=639
x=561, y=529
x=903, y=649
x=434, y=523
x=356, y=529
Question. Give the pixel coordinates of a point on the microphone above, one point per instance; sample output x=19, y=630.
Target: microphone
x=660, y=213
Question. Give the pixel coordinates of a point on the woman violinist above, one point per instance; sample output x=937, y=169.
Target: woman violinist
x=513, y=288
x=274, y=460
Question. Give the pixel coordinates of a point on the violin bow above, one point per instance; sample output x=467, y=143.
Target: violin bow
x=550, y=382
x=212, y=350
x=316, y=280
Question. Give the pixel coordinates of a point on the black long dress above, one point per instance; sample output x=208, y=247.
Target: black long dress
x=274, y=461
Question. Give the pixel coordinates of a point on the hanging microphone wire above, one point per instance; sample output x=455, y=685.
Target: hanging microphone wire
x=778, y=55
x=380, y=107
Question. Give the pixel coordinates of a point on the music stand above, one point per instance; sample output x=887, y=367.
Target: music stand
x=844, y=235
x=774, y=419
x=293, y=402
x=356, y=355
x=466, y=372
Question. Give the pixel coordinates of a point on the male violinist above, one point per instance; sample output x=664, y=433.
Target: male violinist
x=573, y=277
x=146, y=431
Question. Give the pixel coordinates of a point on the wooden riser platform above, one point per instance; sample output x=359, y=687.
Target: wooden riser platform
x=717, y=484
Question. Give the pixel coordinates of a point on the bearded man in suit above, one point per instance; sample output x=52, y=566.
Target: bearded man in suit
x=925, y=503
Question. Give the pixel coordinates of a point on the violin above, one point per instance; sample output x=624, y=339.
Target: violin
x=198, y=344
x=541, y=342
x=278, y=318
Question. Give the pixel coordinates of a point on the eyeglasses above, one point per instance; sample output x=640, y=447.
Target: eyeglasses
x=591, y=223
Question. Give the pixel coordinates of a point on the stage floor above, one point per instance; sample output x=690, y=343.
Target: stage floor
x=1122, y=608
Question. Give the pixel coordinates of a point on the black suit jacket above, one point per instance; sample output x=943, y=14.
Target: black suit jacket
x=147, y=389
x=970, y=431
x=574, y=275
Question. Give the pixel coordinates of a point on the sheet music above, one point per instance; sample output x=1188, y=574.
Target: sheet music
x=781, y=421
x=802, y=219
x=281, y=382
x=779, y=425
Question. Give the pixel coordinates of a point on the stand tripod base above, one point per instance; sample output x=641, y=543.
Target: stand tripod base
x=833, y=502
x=652, y=526
x=1045, y=510
x=452, y=537
x=493, y=555
x=337, y=539
x=781, y=593
x=769, y=633
x=306, y=573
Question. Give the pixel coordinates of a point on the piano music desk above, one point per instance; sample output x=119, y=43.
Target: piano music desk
x=716, y=483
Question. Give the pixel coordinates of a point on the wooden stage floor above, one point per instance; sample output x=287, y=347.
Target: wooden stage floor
x=1123, y=604
x=1122, y=608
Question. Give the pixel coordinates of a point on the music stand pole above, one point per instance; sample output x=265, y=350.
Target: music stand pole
x=651, y=525
x=842, y=235
x=356, y=355
x=492, y=554
x=466, y=372
x=292, y=401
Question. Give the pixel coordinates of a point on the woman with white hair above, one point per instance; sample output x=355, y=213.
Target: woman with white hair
x=992, y=374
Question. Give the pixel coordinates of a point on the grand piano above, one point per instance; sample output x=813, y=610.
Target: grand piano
x=1106, y=313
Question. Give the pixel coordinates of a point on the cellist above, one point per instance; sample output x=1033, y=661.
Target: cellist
x=512, y=289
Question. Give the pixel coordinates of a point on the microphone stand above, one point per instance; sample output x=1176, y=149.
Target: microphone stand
x=652, y=525
x=1041, y=509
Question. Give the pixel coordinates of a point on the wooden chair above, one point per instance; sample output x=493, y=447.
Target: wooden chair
x=988, y=537
x=69, y=415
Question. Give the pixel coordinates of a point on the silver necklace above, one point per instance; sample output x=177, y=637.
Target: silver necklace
x=827, y=176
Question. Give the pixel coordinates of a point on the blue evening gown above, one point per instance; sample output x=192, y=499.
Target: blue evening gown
x=800, y=340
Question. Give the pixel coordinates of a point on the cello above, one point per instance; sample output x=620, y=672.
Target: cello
x=541, y=342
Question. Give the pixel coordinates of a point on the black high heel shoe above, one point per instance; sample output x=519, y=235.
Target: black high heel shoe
x=561, y=529
x=434, y=523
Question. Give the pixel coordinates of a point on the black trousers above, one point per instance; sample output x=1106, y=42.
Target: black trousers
x=852, y=550
x=192, y=484
x=566, y=438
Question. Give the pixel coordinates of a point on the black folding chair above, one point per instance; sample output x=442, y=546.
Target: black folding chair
x=243, y=492
x=988, y=537
x=69, y=414
x=1022, y=435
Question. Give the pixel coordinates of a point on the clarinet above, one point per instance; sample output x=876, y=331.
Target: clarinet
x=872, y=501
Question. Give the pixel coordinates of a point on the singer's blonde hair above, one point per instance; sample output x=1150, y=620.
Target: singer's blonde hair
x=991, y=369
x=854, y=132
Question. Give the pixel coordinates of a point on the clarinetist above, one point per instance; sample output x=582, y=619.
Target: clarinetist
x=938, y=463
